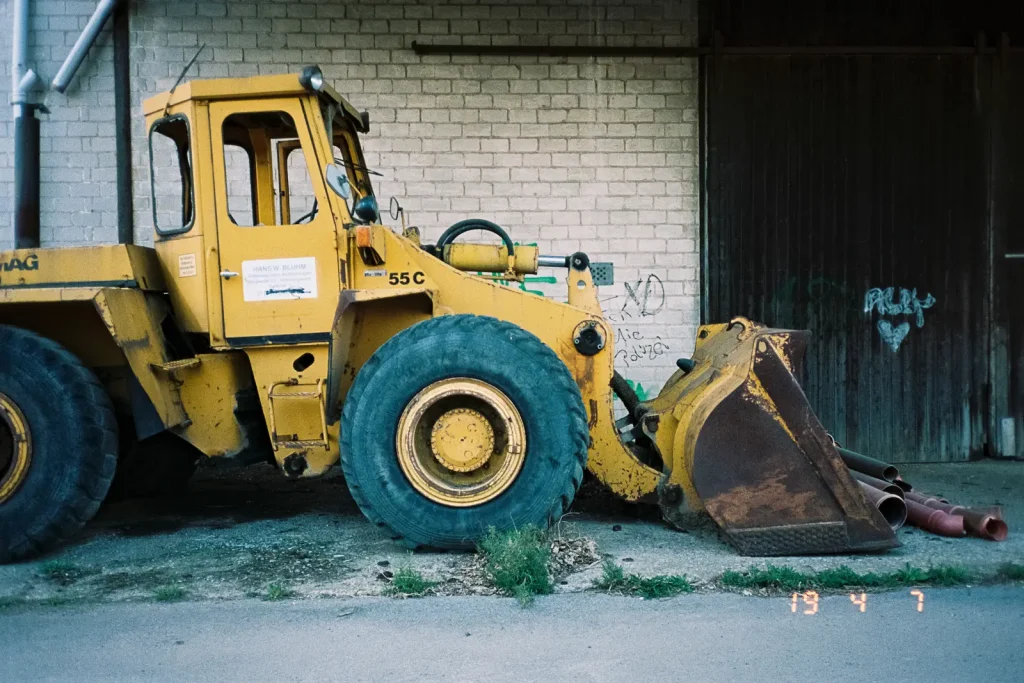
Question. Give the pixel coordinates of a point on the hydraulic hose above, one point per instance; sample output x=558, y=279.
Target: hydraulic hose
x=473, y=224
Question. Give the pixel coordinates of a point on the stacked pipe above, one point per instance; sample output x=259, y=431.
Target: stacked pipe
x=896, y=499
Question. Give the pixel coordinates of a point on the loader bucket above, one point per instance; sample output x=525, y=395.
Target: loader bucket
x=740, y=441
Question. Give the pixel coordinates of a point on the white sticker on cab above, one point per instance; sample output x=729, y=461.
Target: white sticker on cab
x=375, y=273
x=279, y=278
x=187, y=265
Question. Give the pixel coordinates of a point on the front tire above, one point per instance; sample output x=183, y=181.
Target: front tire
x=58, y=444
x=463, y=375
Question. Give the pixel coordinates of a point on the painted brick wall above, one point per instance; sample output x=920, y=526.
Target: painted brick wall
x=597, y=154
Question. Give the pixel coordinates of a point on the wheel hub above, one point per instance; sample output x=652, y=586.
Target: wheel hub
x=462, y=440
x=15, y=447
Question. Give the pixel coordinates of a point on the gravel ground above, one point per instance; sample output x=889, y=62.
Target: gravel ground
x=238, y=532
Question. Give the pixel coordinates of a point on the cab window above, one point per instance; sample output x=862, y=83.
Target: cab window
x=347, y=152
x=267, y=175
x=170, y=175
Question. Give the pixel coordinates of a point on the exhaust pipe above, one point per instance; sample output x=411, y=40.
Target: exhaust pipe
x=892, y=507
x=935, y=521
x=984, y=525
x=879, y=484
x=866, y=465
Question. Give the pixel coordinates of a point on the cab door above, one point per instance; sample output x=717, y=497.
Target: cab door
x=279, y=266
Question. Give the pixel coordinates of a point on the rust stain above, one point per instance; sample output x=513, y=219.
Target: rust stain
x=770, y=499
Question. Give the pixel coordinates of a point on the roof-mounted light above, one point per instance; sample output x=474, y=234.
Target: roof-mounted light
x=312, y=78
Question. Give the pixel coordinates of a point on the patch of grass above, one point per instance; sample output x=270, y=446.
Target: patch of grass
x=276, y=591
x=517, y=562
x=61, y=572
x=1011, y=571
x=946, y=575
x=408, y=582
x=169, y=594
x=785, y=579
x=615, y=580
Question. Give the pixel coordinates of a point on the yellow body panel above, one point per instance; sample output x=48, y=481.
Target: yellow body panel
x=186, y=263
x=300, y=418
x=68, y=267
x=209, y=389
x=133, y=320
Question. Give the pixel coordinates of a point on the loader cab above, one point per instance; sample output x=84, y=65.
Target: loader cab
x=251, y=238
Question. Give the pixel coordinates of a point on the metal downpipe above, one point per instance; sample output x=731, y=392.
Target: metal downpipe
x=81, y=47
x=26, y=135
x=123, y=124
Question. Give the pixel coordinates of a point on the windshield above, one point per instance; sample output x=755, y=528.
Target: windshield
x=346, y=150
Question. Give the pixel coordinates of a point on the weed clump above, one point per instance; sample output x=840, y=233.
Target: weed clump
x=615, y=580
x=517, y=562
x=408, y=582
x=62, y=573
x=276, y=591
x=169, y=594
x=1011, y=571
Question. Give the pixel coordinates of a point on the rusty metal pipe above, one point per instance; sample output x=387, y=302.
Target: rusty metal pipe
x=948, y=508
x=922, y=498
x=984, y=525
x=935, y=521
x=868, y=465
x=902, y=483
x=891, y=506
x=880, y=484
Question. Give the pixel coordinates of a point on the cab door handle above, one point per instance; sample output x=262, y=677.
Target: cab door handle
x=228, y=274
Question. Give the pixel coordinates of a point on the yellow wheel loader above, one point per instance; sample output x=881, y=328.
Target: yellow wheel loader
x=277, y=319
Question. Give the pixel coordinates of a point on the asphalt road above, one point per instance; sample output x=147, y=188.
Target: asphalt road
x=960, y=635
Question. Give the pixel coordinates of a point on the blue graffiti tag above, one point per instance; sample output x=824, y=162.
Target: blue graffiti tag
x=885, y=302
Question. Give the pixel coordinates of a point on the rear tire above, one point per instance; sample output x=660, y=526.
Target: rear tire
x=72, y=444
x=501, y=356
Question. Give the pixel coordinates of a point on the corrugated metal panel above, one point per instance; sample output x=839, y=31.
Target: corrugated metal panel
x=1007, y=366
x=829, y=181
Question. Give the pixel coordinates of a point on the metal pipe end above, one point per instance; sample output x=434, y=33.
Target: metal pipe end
x=984, y=525
x=877, y=483
x=892, y=507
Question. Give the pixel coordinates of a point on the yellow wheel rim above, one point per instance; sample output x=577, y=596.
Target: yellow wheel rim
x=461, y=442
x=15, y=447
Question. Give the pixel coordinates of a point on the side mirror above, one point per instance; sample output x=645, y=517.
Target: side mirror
x=337, y=180
x=366, y=210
